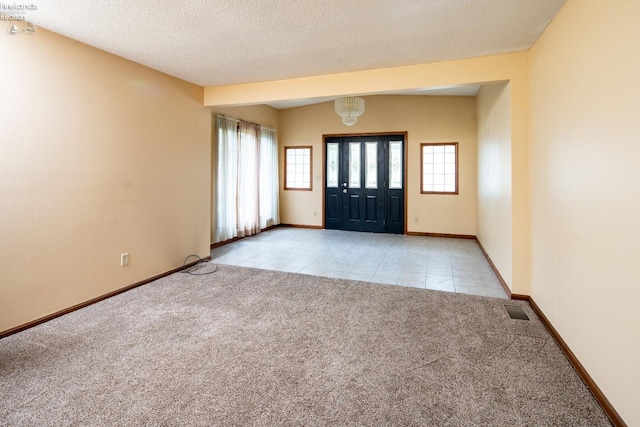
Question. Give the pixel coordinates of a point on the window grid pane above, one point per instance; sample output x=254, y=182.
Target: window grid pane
x=439, y=164
x=297, y=168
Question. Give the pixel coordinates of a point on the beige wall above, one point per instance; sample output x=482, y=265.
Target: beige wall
x=426, y=119
x=585, y=135
x=98, y=156
x=494, y=176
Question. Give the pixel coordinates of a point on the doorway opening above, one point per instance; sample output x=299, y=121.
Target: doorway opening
x=364, y=186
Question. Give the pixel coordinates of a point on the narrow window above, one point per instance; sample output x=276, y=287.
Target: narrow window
x=297, y=168
x=439, y=168
x=371, y=171
x=395, y=165
x=354, y=165
x=333, y=162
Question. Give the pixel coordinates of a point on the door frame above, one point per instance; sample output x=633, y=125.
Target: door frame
x=348, y=135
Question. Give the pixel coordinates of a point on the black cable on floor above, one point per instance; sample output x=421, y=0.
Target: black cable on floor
x=190, y=270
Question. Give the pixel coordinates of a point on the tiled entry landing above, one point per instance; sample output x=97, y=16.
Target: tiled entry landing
x=445, y=264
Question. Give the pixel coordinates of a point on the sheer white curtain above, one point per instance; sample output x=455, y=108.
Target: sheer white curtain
x=269, y=186
x=246, y=197
x=225, y=200
x=248, y=179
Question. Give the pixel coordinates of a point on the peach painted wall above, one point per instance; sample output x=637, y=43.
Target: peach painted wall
x=585, y=136
x=98, y=156
x=494, y=223
x=426, y=119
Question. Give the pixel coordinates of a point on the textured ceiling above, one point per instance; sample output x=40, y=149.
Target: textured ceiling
x=221, y=42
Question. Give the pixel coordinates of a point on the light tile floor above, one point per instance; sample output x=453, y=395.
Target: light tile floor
x=444, y=264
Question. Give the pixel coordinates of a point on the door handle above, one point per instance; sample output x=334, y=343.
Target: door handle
x=344, y=184
x=344, y=191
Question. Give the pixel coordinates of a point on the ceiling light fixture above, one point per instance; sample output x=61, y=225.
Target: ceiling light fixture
x=350, y=109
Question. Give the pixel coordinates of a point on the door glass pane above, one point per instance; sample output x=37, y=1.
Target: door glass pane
x=333, y=161
x=354, y=165
x=395, y=165
x=371, y=172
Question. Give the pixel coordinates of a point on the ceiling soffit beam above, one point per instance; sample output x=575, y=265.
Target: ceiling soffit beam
x=486, y=69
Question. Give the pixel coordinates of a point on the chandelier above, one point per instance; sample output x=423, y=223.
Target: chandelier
x=350, y=109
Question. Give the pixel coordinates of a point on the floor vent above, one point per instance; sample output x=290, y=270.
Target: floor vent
x=516, y=312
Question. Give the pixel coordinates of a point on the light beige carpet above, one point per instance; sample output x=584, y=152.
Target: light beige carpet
x=248, y=347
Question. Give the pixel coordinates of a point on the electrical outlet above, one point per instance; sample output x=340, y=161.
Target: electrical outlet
x=416, y=219
x=315, y=213
x=124, y=259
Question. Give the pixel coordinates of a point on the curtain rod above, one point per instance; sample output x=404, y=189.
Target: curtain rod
x=222, y=116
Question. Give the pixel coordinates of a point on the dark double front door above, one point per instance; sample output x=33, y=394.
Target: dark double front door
x=364, y=183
